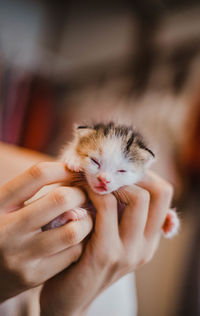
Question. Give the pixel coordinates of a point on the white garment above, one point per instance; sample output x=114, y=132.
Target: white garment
x=13, y=306
x=117, y=300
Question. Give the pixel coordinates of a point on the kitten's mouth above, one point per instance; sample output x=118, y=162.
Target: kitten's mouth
x=100, y=188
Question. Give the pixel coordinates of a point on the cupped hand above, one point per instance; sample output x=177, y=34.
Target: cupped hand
x=29, y=256
x=114, y=249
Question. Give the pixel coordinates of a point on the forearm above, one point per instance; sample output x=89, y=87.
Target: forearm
x=14, y=160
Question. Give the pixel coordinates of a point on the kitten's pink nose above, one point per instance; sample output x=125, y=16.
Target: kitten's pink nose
x=103, y=179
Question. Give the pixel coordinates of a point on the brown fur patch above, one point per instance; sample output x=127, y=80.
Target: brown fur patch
x=91, y=138
x=89, y=143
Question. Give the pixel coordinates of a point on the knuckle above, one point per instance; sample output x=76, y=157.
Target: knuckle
x=144, y=260
x=19, y=271
x=113, y=259
x=149, y=257
x=59, y=196
x=77, y=252
x=145, y=257
x=70, y=236
x=143, y=196
x=163, y=190
x=9, y=262
x=37, y=171
x=168, y=191
x=27, y=276
x=129, y=260
x=108, y=260
x=110, y=257
x=7, y=190
x=128, y=264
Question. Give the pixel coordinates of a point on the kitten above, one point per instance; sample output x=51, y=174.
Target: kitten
x=111, y=156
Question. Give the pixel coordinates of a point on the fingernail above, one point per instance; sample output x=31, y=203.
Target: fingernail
x=79, y=213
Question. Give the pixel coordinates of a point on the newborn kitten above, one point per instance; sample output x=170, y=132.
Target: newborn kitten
x=111, y=156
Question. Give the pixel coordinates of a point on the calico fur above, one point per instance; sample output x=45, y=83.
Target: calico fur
x=110, y=156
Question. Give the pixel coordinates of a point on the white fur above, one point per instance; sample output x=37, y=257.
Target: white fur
x=111, y=160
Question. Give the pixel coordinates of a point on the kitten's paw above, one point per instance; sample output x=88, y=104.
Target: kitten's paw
x=73, y=163
x=71, y=215
x=171, y=225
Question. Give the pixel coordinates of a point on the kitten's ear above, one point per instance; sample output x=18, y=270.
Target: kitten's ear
x=82, y=130
x=136, y=144
x=147, y=156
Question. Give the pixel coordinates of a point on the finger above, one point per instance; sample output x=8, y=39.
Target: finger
x=55, y=240
x=135, y=214
x=54, y=264
x=107, y=216
x=48, y=207
x=161, y=195
x=29, y=182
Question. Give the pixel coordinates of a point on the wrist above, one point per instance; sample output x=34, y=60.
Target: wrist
x=58, y=312
x=57, y=309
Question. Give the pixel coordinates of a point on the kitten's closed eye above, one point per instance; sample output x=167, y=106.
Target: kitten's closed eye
x=121, y=170
x=95, y=162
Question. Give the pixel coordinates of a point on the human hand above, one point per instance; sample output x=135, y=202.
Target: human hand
x=114, y=249
x=29, y=256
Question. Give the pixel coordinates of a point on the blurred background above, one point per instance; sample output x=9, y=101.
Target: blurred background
x=66, y=61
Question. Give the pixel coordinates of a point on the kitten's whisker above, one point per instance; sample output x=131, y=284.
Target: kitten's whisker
x=77, y=179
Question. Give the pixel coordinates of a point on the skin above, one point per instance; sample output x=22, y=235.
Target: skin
x=114, y=249
x=28, y=256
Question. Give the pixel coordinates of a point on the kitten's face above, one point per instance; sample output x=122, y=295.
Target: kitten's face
x=106, y=161
x=108, y=170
